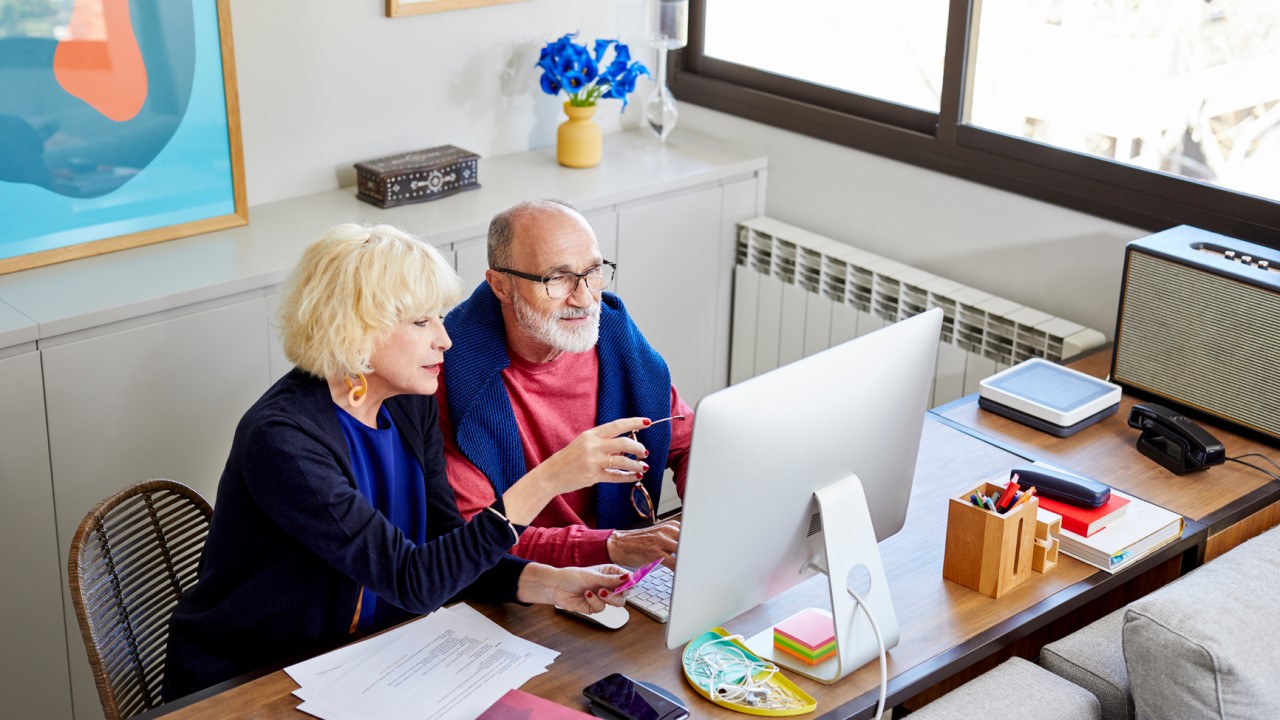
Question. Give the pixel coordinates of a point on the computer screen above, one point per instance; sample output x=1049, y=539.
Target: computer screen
x=763, y=447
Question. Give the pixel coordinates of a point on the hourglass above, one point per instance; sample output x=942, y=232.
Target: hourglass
x=667, y=30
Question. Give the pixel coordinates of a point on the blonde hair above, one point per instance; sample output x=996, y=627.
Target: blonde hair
x=351, y=288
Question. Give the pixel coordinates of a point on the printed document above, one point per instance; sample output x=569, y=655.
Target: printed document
x=453, y=663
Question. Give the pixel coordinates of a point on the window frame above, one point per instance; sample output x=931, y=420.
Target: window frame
x=1097, y=186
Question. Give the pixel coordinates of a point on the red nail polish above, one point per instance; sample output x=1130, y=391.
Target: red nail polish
x=604, y=593
x=644, y=466
x=626, y=577
x=589, y=595
x=639, y=476
x=647, y=422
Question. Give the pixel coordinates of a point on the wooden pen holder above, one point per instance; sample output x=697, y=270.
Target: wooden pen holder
x=987, y=551
x=1045, y=555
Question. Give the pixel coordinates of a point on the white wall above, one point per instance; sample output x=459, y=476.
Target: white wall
x=1056, y=260
x=327, y=83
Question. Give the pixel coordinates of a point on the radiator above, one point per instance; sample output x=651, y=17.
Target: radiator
x=796, y=293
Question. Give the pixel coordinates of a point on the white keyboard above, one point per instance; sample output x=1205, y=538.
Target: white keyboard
x=652, y=595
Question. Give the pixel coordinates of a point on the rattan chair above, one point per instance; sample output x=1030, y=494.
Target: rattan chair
x=131, y=559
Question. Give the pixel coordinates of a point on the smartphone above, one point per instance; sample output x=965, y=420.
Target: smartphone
x=629, y=699
x=636, y=576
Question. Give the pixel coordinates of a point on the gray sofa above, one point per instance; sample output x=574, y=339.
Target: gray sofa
x=1040, y=695
x=1205, y=646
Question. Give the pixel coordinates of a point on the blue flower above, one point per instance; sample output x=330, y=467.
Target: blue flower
x=602, y=46
x=583, y=75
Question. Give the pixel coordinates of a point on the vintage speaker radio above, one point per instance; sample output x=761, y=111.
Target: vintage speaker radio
x=1199, y=326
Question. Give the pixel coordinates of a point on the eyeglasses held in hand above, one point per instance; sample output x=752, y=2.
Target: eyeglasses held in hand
x=562, y=285
x=640, y=500
x=642, y=503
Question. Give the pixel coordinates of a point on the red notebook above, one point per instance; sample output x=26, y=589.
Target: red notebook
x=1086, y=521
x=520, y=705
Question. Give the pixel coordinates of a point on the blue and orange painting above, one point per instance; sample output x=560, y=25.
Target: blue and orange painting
x=112, y=120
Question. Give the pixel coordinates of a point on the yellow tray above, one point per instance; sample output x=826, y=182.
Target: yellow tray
x=807, y=703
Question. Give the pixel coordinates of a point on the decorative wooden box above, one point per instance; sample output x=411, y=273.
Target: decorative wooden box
x=416, y=176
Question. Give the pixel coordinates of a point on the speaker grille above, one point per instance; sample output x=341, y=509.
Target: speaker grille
x=1201, y=339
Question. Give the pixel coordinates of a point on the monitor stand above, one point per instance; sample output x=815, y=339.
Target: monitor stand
x=848, y=540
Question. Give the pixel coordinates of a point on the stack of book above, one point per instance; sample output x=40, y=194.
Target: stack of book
x=1121, y=532
x=1087, y=521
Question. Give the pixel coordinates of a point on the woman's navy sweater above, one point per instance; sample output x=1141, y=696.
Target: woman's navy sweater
x=293, y=541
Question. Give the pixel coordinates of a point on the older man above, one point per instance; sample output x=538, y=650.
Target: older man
x=541, y=354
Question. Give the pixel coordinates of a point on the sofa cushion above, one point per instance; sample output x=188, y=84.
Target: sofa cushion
x=1013, y=690
x=1091, y=657
x=1208, y=645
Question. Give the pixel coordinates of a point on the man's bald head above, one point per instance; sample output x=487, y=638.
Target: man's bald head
x=504, y=227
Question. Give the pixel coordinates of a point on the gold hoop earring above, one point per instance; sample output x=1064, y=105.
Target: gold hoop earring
x=358, y=394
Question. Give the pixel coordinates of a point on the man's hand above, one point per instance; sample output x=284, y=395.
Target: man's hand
x=579, y=589
x=634, y=548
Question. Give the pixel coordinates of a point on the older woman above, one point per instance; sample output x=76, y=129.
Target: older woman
x=334, y=515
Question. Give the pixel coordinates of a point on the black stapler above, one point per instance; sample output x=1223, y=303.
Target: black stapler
x=1174, y=440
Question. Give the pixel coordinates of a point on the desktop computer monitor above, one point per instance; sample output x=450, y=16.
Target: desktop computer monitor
x=765, y=450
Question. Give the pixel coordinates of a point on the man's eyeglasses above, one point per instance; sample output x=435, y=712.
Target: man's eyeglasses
x=562, y=285
x=642, y=503
x=640, y=500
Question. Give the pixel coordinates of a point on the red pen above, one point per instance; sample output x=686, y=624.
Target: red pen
x=1010, y=491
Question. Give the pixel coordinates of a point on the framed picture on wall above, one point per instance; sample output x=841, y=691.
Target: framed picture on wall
x=402, y=8
x=119, y=127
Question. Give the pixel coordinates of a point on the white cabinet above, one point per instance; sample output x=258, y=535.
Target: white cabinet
x=675, y=260
x=604, y=223
x=33, y=640
x=155, y=397
x=667, y=277
x=471, y=260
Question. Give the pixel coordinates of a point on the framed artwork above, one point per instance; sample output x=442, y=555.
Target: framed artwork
x=402, y=8
x=119, y=126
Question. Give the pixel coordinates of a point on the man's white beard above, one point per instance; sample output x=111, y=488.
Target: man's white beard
x=547, y=330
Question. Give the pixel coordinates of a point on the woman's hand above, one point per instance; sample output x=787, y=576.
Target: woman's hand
x=585, y=590
x=597, y=455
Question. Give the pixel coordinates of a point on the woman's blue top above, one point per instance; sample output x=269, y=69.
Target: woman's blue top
x=388, y=476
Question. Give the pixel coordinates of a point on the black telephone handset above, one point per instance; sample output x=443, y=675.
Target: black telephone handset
x=1174, y=440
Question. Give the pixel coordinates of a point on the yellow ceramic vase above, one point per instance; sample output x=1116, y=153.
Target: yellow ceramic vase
x=579, y=139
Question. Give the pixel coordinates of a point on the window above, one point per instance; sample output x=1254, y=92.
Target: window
x=897, y=58
x=1149, y=112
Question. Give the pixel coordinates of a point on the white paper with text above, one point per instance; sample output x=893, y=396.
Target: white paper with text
x=454, y=663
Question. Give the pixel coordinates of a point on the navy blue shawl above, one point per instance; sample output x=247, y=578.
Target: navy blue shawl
x=634, y=382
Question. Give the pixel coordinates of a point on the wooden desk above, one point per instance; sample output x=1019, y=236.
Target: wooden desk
x=1234, y=501
x=945, y=628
